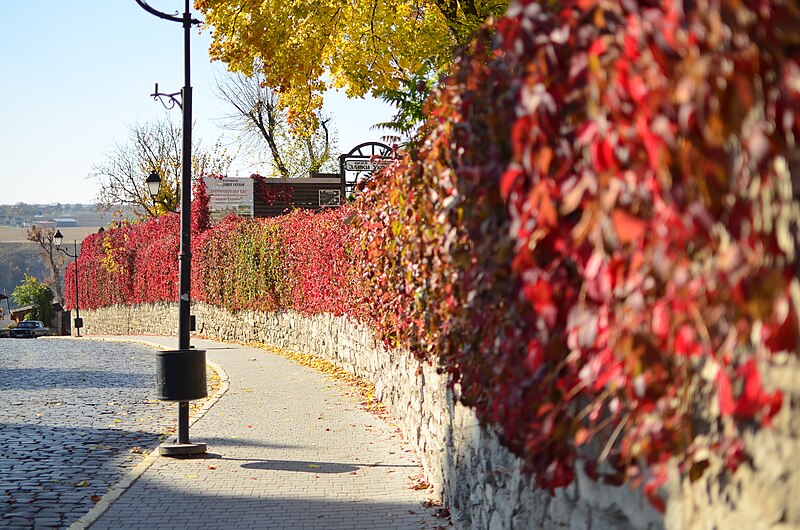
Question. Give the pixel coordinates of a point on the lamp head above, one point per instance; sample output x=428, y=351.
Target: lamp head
x=58, y=238
x=153, y=184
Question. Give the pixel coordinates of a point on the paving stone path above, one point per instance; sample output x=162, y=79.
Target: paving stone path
x=288, y=448
x=70, y=414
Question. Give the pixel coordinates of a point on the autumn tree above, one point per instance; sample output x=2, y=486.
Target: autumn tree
x=151, y=146
x=43, y=237
x=304, y=48
x=261, y=122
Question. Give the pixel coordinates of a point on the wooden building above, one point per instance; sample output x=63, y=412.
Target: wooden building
x=273, y=197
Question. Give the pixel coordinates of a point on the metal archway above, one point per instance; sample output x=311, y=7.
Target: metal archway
x=361, y=162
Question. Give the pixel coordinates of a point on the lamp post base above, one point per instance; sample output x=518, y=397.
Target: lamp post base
x=189, y=449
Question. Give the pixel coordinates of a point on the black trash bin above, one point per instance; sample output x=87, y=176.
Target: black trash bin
x=181, y=375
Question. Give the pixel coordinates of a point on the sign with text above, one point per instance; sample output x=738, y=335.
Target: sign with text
x=229, y=195
x=370, y=164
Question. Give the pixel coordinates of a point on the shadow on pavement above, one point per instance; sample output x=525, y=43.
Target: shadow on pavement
x=51, y=476
x=152, y=505
x=312, y=467
x=300, y=466
x=40, y=377
x=241, y=442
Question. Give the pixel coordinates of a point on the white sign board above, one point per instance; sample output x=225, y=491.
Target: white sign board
x=229, y=195
x=366, y=164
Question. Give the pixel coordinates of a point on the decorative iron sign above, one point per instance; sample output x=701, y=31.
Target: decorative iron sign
x=366, y=165
x=361, y=162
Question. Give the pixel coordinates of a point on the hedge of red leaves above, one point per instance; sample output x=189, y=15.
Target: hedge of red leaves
x=296, y=261
x=595, y=234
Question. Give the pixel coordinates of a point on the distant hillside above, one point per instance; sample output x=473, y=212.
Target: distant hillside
x=16, y=260
x=86, y=215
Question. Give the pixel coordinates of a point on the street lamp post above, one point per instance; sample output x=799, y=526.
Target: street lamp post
x=178, y=372
x=58, y=239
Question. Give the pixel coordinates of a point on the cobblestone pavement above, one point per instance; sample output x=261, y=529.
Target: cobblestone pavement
x=71, y=412
x=288, y=448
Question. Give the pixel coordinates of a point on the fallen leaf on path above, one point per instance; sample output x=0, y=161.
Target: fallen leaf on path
x=81, y=484
x=96, y=498
x=421, y=485
x=191, y=476
x=313, y=466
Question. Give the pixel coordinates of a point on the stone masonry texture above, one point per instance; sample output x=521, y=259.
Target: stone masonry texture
x=483, y=484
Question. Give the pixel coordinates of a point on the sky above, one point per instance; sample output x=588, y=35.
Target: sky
x=75, y=75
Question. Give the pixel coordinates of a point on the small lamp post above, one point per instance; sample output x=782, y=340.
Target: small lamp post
x=181, y=373
x=58, y=238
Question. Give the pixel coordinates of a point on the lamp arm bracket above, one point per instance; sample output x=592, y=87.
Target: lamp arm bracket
x=67, y=253
x=159, y=14
x=164, y=205
x=165, y=16
x=169, y=101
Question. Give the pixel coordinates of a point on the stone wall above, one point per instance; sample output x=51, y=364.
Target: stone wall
x=482, y=483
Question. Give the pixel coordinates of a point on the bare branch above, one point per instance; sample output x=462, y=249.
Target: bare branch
x=43, y=237
x=258, y=117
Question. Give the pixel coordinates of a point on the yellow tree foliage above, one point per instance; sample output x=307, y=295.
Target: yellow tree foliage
x=304, y=47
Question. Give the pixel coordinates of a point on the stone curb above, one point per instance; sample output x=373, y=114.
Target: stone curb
x=120, y=487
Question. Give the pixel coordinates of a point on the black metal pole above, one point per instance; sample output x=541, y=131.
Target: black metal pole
x=77, y=308
x=180, y=374
x=185, y=257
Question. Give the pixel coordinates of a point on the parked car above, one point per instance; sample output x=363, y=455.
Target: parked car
x=30, y=329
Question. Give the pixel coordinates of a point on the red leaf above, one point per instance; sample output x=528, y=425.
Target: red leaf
x=725, y=393
x=637, y=88
x=751, y=398
x=535, y=356
x=660, y=321
x=541, y=202
x=686, y=343
x=598, y=47
x=508, y=180
x=628, y=227
x=783, y=337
